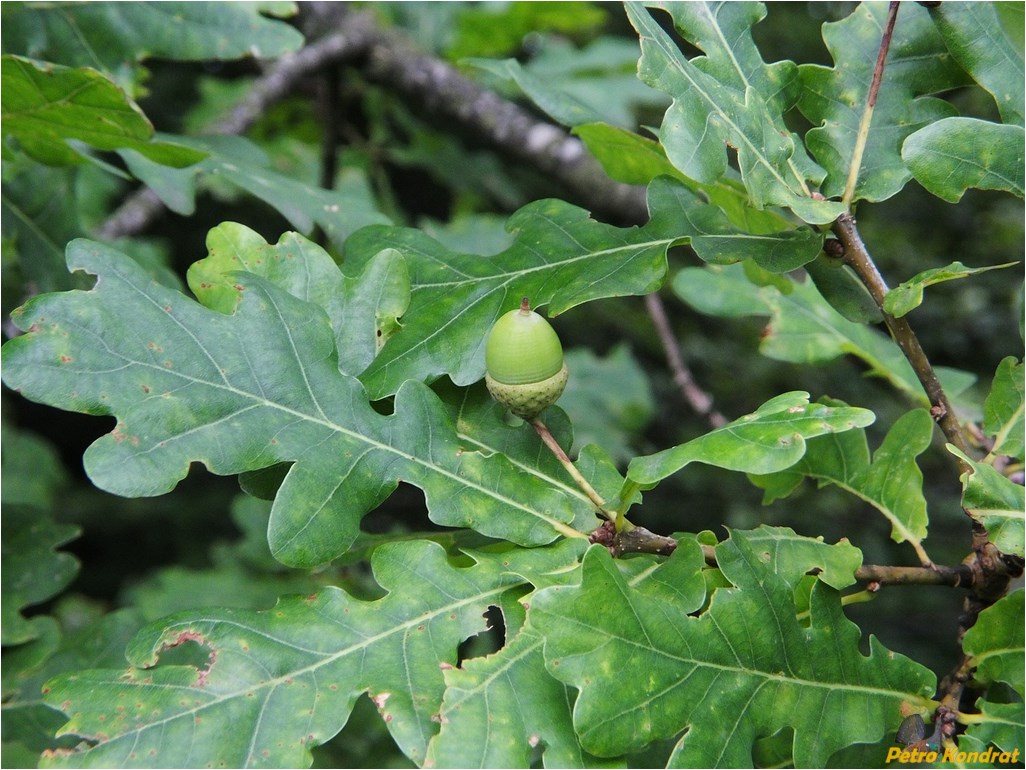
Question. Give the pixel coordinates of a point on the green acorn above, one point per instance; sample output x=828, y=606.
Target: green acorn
x=524, y=362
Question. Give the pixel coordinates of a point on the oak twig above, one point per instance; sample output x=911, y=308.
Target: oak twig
x=937, y=575
x=857, y=256
x=959, y=576
x=632, y=540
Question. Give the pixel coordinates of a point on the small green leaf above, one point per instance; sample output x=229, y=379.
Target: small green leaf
x=1003, y=409
x=908, y=295
x=678, y=581
x=596, y=82
x=973, y=35
x=45, y=105
x=176, y=187
x=42, y=210
x=952, y=155
x=32, y=569
x=777, y=252
x=728, y=97
x=835, y=98
x=892, y=483
x=646, y=670
x=26, y=658
x=995, y=501
x=497, y=709
x=294, y=264
x=803, y=328
x=790, y=556
x=770, y=439
x=996, y=643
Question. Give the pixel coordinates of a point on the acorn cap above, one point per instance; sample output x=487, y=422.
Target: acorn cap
x=528, y=400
